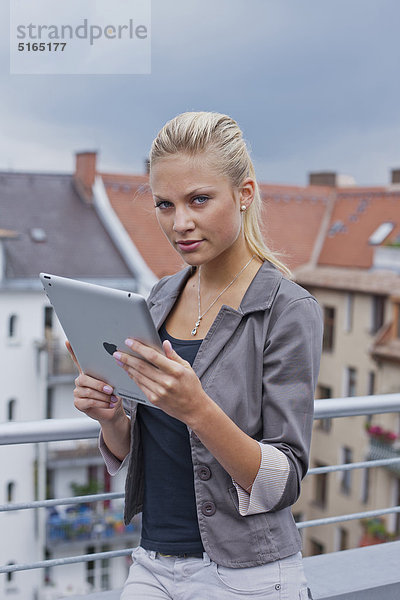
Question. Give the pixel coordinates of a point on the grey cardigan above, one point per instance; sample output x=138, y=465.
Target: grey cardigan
x=260, y=364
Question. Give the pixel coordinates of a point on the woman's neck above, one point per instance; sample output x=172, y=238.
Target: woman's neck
x=220, y=271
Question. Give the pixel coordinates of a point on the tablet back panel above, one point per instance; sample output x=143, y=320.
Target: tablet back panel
x=96, y=321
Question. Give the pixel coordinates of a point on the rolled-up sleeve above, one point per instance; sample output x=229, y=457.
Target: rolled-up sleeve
x=269, y=484
x=290, y=370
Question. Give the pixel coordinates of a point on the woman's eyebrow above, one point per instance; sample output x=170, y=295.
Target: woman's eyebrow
x=191, y=193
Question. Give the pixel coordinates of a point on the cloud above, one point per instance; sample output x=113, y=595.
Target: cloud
x=310, y=83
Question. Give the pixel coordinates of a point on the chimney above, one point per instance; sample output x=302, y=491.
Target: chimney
x=327, y=178
x=85, y=173
x=395, y=176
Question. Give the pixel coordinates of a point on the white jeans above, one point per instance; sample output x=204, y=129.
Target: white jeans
x=155, y=577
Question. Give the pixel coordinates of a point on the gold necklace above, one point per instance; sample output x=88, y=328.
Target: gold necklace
x=200, y=316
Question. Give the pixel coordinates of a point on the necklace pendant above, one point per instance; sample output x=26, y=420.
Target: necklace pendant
x=194, y=330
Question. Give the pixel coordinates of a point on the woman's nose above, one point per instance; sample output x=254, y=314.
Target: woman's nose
x=182, y=221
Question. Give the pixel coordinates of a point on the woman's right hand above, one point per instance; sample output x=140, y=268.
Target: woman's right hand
x=94, y=397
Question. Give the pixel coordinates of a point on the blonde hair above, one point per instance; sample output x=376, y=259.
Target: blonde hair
x=194, y=133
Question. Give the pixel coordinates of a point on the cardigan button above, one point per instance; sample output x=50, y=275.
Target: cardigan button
x=204, y=473
x=208, y=508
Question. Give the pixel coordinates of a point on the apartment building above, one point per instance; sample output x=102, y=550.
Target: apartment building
x=48, y=225
x=356, y=279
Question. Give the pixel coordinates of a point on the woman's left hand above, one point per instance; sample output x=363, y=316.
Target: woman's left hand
x=168, y=381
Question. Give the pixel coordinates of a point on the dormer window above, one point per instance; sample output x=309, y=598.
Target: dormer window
x=381, y=233
x=38, y=234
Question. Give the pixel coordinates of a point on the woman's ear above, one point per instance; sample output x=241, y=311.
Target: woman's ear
x=247, y=191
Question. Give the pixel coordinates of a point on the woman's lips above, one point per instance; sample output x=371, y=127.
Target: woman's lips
x=189, y=245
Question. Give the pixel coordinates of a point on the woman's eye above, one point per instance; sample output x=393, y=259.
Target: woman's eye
x=163, y=204
x=200, y=199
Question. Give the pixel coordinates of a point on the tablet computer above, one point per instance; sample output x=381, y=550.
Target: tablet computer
x=97, y=320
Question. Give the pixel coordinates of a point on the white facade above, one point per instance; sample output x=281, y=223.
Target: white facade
x=30, y=471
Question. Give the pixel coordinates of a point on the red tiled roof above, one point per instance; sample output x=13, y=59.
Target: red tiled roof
x=292, y=218
x=357, y=213
x=130, y=197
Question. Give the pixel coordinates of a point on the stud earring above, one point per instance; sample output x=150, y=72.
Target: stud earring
x=243, y=207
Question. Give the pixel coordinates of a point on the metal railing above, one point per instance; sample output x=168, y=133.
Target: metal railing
x=83, y=428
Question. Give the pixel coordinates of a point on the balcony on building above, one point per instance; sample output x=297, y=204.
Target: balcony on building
x=61, y=368
x=379, y=450
x=90, y=523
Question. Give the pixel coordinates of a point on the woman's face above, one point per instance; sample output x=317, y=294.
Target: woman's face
x=197, y=208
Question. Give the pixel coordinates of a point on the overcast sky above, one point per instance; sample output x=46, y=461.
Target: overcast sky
x=314, y=84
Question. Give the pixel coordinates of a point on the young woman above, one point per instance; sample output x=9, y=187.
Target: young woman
x=216, y=470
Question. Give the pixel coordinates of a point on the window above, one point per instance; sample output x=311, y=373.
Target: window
x=378, y=313
x=38, y=234
x=12, y=326
x=10, y=576
x=10, y=492
x=49, y=403
x=365, y=486
x=351, y=381
x=349, y=312
x=324, y=392
x=50, y=493
x=380, y=234
x=342, y=539
x=371, y=383
x=345, y=484
x=316, y=547
x=48, y=317
x=105, y=570
x=90, y=567
x=321, y=487
x=397, y=503
x=397, y=313
x=11, y=409
x=98, y=572
x=329, y=328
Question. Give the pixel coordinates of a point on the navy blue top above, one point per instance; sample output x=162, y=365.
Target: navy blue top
x=169, y=519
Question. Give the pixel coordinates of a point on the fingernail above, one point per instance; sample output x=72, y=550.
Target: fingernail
x=107, y=389
x=121, y=364
x=117, y=355
x=129, y=342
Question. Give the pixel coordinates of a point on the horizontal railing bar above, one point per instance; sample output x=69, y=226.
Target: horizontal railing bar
x=116, y=553
x=48, y=430
x=349, y=517
x=61, y=501
x=53, y=430
x=356, y=406
x=382, y=462
x=117, y=495
x=69, y=560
